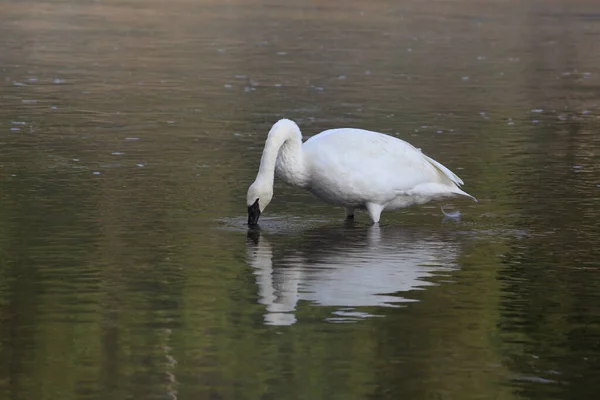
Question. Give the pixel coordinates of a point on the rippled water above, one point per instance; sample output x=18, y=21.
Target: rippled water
x=130, y=131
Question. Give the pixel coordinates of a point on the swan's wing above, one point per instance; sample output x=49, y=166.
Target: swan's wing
x=434, y=178
x=378, y=166
x=360, y=153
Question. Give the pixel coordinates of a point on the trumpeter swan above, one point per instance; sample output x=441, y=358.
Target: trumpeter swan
x=352, y=168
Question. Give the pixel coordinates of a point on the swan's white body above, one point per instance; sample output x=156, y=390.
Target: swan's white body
x=352, y=168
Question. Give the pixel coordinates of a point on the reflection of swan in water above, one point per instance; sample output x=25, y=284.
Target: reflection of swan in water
x=345, y=268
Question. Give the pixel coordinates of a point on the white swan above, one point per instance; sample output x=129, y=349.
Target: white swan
x=352, y=168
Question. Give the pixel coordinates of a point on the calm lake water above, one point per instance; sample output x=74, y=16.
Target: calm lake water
x=130, y=131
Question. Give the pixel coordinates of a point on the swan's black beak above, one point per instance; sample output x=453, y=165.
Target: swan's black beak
x=253, y=214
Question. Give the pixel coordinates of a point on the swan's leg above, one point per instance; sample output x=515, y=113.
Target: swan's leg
x=349, y=212
x=374, y=211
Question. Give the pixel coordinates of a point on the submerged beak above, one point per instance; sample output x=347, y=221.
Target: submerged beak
x=253, y=214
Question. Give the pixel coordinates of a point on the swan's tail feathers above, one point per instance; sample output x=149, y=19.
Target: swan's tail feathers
x=463, y=193
x=449, y=174
x=434, y=190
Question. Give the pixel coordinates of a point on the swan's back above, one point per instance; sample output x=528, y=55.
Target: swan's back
x=359, y=165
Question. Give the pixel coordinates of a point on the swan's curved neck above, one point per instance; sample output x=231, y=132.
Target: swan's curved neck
x=283, y=150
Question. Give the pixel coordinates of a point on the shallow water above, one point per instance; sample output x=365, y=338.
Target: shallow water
x=130, y=131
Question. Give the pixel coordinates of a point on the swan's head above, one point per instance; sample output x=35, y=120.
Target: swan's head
x=258, y=197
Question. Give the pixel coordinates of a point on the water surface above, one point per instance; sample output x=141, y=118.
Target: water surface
x=130, y=131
